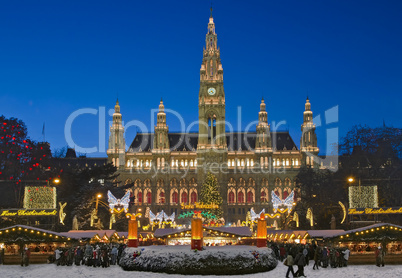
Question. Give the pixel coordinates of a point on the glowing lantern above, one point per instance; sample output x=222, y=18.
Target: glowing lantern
x=132, y=232
x=196, y=234
x=261, y=233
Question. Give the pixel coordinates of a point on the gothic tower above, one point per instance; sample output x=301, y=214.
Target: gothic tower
x=161, y=149
x=212, y=148
x=117, y=145
x=308, y=141
x=263, y=144
x=211, y=95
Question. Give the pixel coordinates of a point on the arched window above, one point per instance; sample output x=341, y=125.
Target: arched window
x=263, y=197
x=250, y=197
x=184, y=197
x=193, y=197
x=285, y=194
x=231, y=197
x=174, y=197
x=149, y=197
x=139, y=197
x=162, y=197
x=240, y=197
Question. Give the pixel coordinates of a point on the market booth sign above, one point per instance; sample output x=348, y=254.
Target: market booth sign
x=363, y=211
x=27, y=212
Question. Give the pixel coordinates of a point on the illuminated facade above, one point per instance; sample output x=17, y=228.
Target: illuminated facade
x=167, y=169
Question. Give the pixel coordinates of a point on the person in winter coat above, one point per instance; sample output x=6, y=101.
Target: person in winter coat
x=346, y=255
x=57, y=255
x=25, y=257
x=317, y=253
x=324, y=257
x=379, y=256
x=114, y=255
x=305, y=254
x=289, y=263
x=300, y=261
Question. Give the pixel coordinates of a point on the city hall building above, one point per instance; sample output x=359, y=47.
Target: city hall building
x=168, y=169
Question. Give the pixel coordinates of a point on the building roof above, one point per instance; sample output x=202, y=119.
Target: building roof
x=236, y=141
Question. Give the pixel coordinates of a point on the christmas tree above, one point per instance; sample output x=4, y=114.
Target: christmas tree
x=210, y=195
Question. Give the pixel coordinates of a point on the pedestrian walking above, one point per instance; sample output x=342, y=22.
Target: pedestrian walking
x=300, y=261
x=289, y=263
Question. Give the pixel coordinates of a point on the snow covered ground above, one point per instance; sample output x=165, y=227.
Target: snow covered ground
x=53, y=271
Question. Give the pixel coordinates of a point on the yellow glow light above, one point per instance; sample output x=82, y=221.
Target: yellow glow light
x=351, y=179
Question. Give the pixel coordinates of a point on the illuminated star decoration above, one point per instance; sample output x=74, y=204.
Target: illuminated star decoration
x=288, y=202
x=254, y=216
x=114, y=202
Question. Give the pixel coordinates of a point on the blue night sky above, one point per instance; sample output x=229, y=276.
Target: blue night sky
x=60, y=56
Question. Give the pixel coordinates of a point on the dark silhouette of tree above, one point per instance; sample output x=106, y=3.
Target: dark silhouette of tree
x=22, y=160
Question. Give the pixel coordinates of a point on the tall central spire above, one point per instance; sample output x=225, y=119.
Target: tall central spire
x=211, y=68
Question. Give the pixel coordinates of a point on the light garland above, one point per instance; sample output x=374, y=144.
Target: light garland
x=363, y=196
x=40, y=197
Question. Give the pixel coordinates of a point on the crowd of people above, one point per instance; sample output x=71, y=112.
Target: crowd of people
x=301, y=255
x=89, y=255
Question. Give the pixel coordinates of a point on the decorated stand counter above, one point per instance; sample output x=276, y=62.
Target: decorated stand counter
x=41, y=243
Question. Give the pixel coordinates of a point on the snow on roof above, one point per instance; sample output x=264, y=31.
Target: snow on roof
x=168, y=231
x=237, y=231
x=378, y=225
x=88, y=233
x=323, y=233
x=33, y=228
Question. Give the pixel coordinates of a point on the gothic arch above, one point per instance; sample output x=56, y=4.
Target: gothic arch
x=278, y=192
x=241, y=195
x=264, y=196
x=193, y=182
x=161, y=196
x=173, y=182
x=128, y=181
x=193, y=195
x=174, y=196
x=278, y=182
x=138, y=196
x=183, y=196
x=137, y=183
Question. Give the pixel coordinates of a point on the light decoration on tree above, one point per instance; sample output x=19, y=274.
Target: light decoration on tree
x=40, y=197
x=254, y=216
x=114, y=202
x=288, y=202
x=363, y=196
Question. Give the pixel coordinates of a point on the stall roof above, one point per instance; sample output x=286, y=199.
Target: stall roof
x=28, y=233
x=237, y=231
x=79, y=234
x=362, y=229
x=303, y=233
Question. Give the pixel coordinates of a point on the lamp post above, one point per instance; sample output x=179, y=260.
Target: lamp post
x=97, y=201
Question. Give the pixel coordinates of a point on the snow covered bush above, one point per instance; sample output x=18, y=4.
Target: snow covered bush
x=225, y=260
